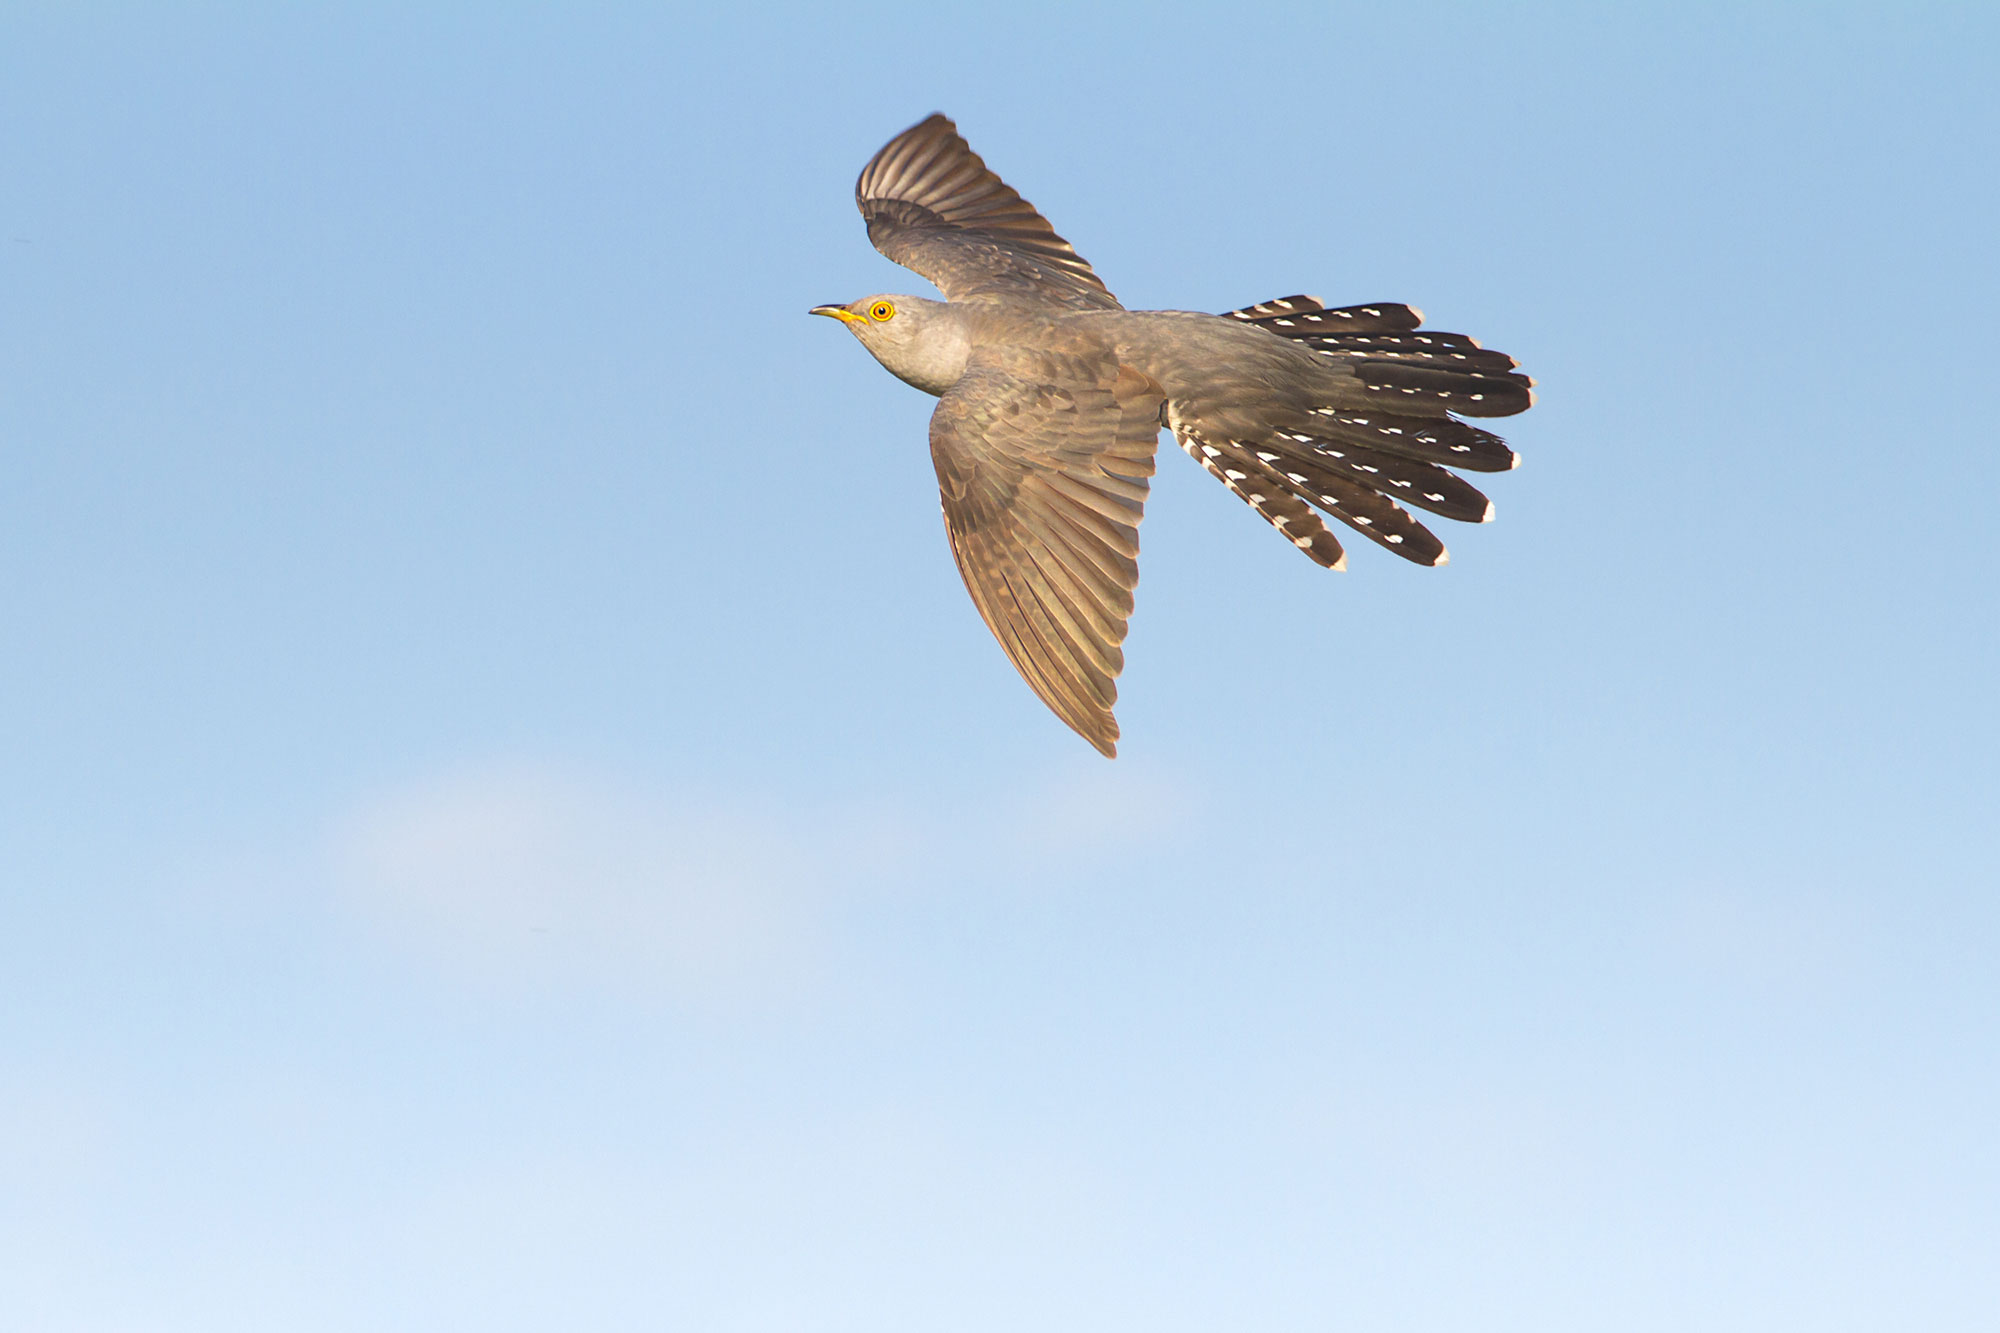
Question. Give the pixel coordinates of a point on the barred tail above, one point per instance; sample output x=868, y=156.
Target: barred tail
x=1388, y=439
x=1287, y=487
x=1281, y=504
x=1401, y=365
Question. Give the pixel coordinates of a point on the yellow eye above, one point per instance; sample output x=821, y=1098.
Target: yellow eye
x=881, y=311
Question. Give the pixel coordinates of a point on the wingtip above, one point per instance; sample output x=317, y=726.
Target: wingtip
x=1444, y=558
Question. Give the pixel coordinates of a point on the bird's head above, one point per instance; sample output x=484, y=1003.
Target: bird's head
x=921, y=342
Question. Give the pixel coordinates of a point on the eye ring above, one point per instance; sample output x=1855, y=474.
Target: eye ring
x=881, y=312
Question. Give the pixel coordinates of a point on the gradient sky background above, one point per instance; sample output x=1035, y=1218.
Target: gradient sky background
x=509, y=820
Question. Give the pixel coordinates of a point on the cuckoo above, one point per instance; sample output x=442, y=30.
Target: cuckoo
x=1051, y=396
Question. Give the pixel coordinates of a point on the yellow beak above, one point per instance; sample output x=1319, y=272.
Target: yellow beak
x=839, y=312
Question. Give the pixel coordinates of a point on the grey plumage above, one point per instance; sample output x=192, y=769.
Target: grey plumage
x=1052, y=396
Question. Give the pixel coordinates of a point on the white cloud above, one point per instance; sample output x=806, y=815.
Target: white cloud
x=520, y=868
x=517, y=871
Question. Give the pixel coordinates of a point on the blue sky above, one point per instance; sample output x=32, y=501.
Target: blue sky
x=510, y=820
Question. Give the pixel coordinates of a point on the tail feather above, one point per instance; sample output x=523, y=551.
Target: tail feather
x=1287, y=490
x=1282, y=306
x=1331, y=487
x=1446, y=351
x=1382, y=520
x=1393, y=354
x=1467, y=392
x=1386, y=432
x=1424, y=485
x=1267, y=493
x=1426, y=439
x=1305, y=317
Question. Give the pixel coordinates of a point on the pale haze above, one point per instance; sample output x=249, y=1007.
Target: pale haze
x=509, y=819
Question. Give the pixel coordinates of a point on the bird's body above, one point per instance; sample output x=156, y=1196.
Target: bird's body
x=1172, y=347
x=1052, y=396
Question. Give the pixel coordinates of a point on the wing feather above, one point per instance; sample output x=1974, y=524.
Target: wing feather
x=932, y=205
x=1035, y=461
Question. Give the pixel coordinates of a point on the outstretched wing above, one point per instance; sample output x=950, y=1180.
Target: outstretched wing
x=931, y=205
x=1042, y=460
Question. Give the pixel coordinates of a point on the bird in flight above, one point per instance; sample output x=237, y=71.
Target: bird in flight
x=1051, y=397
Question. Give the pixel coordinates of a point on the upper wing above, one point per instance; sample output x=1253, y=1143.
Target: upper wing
x=1042, y=460
x=931, y=205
